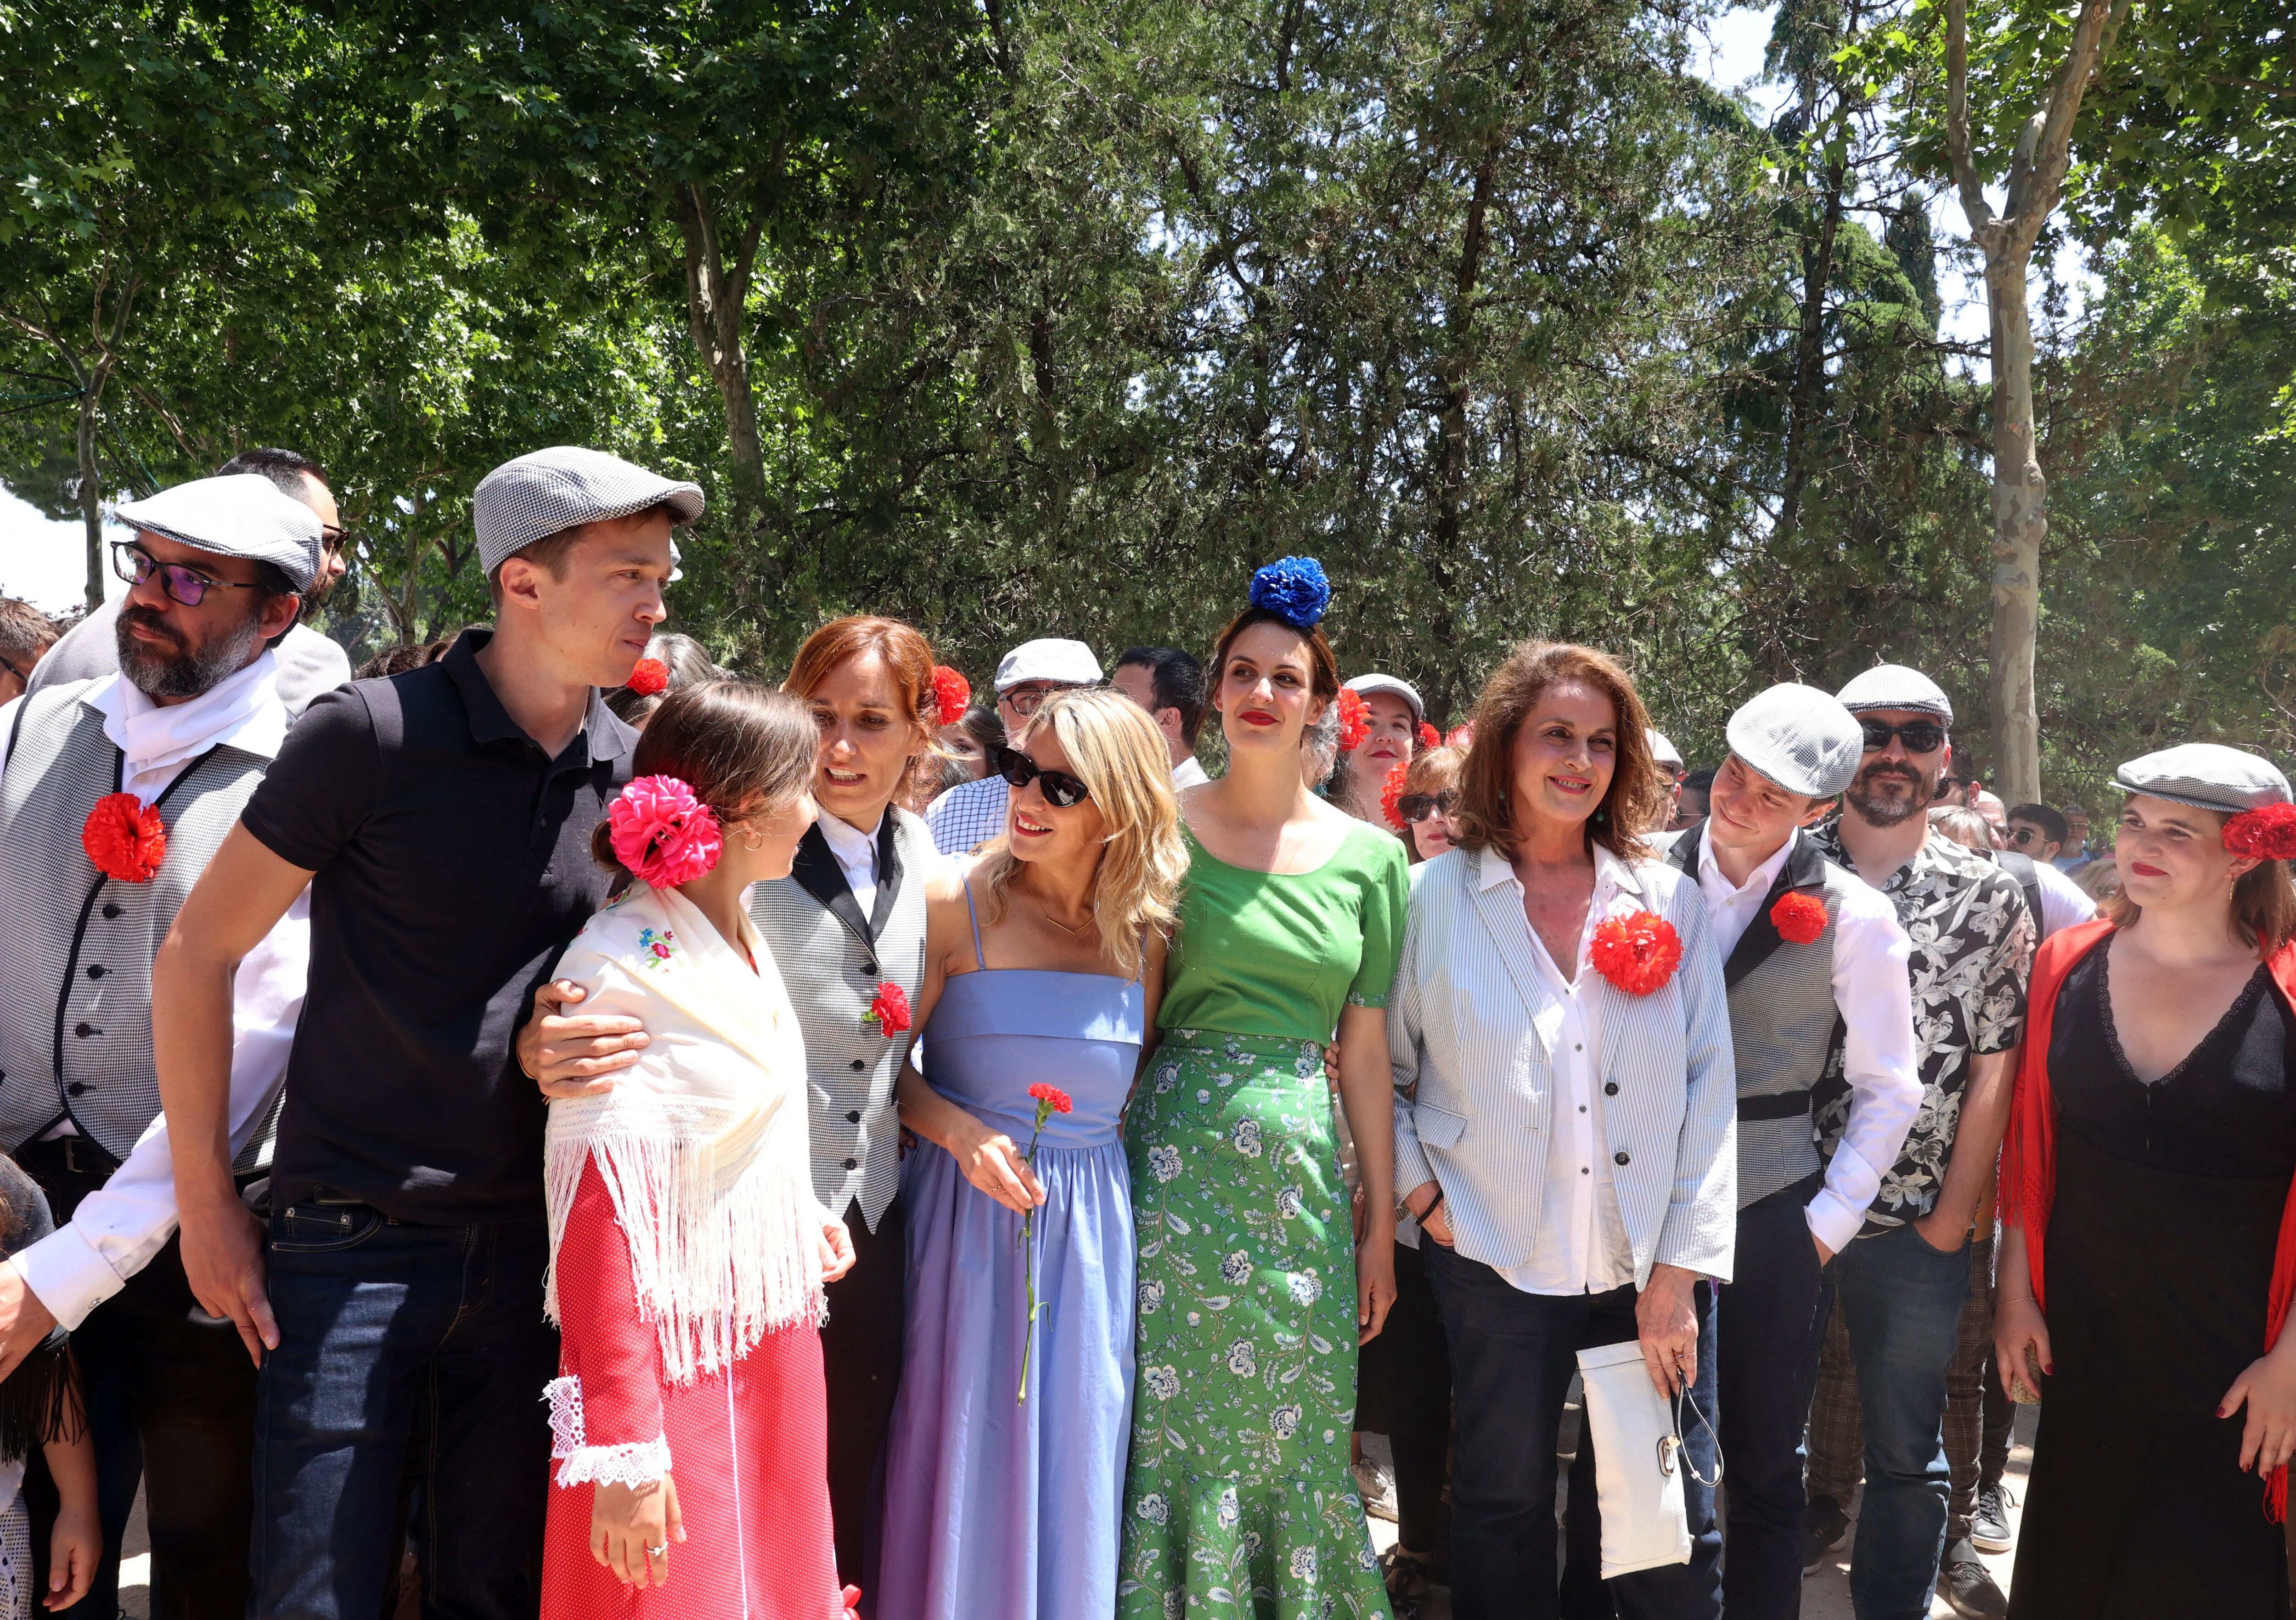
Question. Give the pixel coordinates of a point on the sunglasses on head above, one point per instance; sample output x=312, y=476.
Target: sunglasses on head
x=1062, y=790
x=1920, y=736
x=1417, y=807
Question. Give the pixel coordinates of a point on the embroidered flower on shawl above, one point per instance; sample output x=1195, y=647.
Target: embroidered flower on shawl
x=1638, y=953
x=1390, y=794
x=648, y=676
x=890, y=1009
x=951, y=695
x=1799, y=918
x=125, y=838
x=656, y=945
x=1355, y=720
x=662, y=833
x=2268, y=832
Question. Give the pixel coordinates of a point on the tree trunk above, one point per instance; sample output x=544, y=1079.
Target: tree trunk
x=2020, y=520
x=91, y=495
x=714, y=292
x=1809, y=358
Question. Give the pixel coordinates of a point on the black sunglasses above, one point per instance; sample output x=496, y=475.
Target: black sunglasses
x=1920, y=736
x=187, y=586
x=1062, y=790
x=1417, y=807
x=2022, y=835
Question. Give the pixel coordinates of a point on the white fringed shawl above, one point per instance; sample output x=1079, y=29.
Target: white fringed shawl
x=704, y=1144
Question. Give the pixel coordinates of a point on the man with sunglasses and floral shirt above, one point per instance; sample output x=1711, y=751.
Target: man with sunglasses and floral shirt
x=1904, y=1281
x=116, y=794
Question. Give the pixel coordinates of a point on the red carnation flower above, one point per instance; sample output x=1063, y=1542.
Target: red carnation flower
x=1390, y=793
x=125, y=838
x=1053, y=1097
x=952, y=693
x=1637, y=953
x=2268, y=832
x=1355, y=720
x=890, y=1008
x=648, y=676
x=1429, y=737
x=1462, y=736
x=1800, y=917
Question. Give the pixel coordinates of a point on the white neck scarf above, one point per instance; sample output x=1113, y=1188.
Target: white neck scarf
x=157, y=743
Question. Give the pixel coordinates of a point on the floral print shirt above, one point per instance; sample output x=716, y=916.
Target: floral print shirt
x=1972, y=951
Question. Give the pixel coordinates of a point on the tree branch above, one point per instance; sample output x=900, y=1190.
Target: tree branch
x=1974, y=205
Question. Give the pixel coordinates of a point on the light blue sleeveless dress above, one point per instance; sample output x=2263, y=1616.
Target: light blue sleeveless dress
x=995, y=1507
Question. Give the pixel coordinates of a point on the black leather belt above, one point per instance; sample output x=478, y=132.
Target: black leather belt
x=1775, y=1104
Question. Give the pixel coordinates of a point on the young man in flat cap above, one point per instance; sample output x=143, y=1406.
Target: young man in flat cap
x=1815, y=963
x=969, y=814
x=1904, y=1283
x=443, y=819
x=185, y=730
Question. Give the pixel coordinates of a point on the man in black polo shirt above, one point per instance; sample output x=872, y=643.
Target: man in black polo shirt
x=443, y=819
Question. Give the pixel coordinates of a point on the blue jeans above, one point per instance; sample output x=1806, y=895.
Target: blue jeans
x=1513, y=1355
x=1769, y=1365
x=1901, y=1302
x=392, y=1334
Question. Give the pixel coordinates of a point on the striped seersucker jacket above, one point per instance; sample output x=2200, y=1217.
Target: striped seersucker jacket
x=1467, y=1028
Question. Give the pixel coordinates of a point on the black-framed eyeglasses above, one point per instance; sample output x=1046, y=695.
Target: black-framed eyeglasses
x=1920, y=736
x=1416, y=807
x=187, y=586
x=9, y=664
x=1061, y=790
x=1026, y=703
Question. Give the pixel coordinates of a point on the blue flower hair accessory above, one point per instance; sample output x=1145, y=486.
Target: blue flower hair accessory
x=1295, y=589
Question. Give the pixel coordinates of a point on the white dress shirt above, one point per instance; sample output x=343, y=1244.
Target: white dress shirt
x=857, y=857
x=1584, y=1247
x=1188, y=773
x=118, y=1228
x=1875, y=998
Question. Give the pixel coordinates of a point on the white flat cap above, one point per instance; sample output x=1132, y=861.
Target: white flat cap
x=1364, y=685
x=243, y=514
x=2207, y=775
x=1049, y=658
x=1800, y=738
x=1662, y=748
x=1893, y=686
x=549, y=492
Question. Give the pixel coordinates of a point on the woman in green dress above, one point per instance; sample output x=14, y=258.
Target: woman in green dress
x=1253, y=1294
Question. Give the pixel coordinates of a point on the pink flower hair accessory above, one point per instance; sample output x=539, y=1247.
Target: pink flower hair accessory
x=662, y=833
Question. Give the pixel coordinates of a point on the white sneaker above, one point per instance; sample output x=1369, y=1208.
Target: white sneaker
x=1378, y=1487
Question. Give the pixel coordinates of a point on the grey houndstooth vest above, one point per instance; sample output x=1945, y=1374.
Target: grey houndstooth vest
x=76, y=947
x=1783, y=1020
x=833, y=959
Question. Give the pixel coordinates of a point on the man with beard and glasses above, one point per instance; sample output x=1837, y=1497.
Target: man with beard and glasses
x=177, y=740
x=308, y=662
x=1903, y=1284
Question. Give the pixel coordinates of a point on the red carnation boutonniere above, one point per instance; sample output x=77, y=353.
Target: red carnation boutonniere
x=890, y=1009
x=1355, y=720
x=2268, y=832
x=952, y=693
x=1390, y=794
x=1050, y=1100
x=1799, y=918
x=648, y=676
x=125, y=838
x=1638, y=953
x=1429, y=737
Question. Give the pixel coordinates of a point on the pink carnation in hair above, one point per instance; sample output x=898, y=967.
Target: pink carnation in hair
x=662, y=833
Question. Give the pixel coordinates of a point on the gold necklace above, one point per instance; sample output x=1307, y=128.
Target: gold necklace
x=1056, y=921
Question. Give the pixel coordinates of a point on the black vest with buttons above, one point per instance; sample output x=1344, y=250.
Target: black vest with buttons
x=76, y=947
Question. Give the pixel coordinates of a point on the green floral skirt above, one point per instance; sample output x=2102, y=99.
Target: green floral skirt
x=1239, y=1502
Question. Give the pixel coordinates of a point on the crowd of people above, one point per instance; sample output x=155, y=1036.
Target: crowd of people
x=657, y=1142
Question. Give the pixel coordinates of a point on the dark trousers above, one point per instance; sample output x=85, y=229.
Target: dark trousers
x=861, y=1344
x=390, y=1335
x=1769, y=1362
x=1419, y=1413
x=1512, y=1356
x=171, y=1402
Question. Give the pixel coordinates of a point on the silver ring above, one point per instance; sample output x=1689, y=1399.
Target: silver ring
x=661, y=1552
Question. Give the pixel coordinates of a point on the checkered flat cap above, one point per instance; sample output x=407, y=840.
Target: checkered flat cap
x=1800, y=738
x=1893, y=686
x=242, y=514
x=2207, y=775
x=550, y=492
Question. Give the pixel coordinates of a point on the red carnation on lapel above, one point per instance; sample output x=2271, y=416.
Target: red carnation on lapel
x=1638, y=953
x=1799, y=918
x=125, y=838
x=1429, y=737
x=951, y=693
x=1355, y=720
x=1390, y=794
x=648, y=676
x=889, y=1009
x=2268, y=832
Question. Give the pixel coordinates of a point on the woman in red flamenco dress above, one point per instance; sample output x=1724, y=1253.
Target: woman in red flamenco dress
x=690, y=1433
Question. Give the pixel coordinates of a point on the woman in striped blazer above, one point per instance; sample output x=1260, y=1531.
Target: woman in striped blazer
x=1565, y=1113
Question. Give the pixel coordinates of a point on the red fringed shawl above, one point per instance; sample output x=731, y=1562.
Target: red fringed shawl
x=2029, y=1155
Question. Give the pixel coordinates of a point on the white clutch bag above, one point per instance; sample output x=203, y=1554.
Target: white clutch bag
x=1638, y=1461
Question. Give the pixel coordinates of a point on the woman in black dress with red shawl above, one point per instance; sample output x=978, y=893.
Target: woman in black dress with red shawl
x=2150, y=1158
